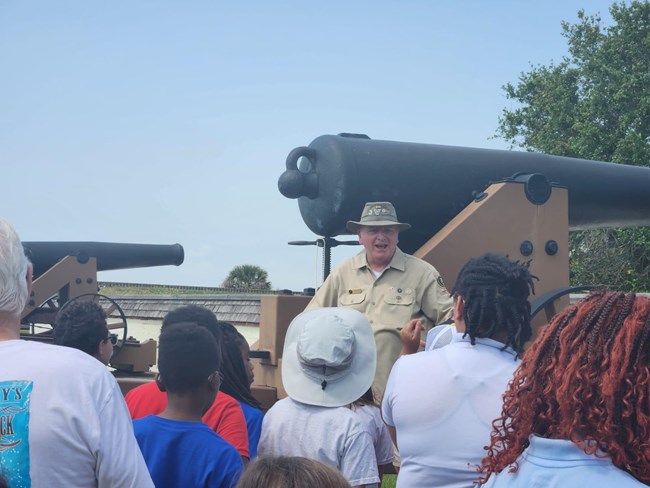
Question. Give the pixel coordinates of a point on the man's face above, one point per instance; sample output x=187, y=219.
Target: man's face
x=379, y=242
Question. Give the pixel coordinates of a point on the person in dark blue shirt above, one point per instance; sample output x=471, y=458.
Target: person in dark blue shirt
x=178, y=448
x=236, y=366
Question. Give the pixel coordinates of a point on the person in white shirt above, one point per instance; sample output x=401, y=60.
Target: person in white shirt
x=439, y=404
x=577, y=412
x=368, y=410
x=63, y=420
x=328, y=362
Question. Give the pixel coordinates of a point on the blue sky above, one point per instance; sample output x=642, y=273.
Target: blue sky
x=170, y=121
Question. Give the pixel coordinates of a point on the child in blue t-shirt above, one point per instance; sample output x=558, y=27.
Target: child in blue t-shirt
x=178, y=448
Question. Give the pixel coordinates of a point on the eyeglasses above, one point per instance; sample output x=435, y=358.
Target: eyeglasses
x=112, y=338
x=214, y=376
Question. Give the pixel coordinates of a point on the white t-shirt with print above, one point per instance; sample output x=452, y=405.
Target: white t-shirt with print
x=64, y=421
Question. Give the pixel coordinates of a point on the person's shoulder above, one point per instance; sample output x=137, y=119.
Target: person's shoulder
x=289, y=408
x=485, y=346
x=591, y=475
x=216, y=443
x=283, y=405
x=224, y=456
x=347, y=265
x=145, y=399
x=143, y=389
x=423, y=270
x=458, y=348
x=348, y=417
x=223, y=405
x=49, y=350
x=73, y=362
x=224, y=414
x=340, y=421
x=224, y=400
x=148, y=419
x=250, y=411
x=145, y=423
x=417, y=263
x=62, y=372
x=355, y=425
x=372, y=411
x=370, y=415
x=410, y=361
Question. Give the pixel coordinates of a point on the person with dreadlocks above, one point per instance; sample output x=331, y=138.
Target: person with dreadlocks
x=238, y=377
x=439, y=404
x=578, y=410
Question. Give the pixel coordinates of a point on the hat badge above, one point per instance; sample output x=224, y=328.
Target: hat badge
x=377, y=211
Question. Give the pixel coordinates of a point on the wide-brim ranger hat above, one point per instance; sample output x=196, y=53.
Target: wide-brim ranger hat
x=329, y=357
x=377, y=214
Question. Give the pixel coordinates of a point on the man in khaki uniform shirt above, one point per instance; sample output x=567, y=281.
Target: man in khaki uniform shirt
x=386, y=285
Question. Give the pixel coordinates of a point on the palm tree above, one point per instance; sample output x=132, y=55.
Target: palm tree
x=247, y=276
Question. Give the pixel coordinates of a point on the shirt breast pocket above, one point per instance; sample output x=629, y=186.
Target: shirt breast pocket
x=351, y=299
x=400, y=296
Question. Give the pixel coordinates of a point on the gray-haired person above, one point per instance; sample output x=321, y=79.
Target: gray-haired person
x=62, y=416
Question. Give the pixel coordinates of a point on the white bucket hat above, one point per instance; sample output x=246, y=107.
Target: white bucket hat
x=329, y=357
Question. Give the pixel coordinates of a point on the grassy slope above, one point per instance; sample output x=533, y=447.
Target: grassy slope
x=151, y=290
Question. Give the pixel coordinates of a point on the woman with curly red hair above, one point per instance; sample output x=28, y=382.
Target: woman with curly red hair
x=577, y=412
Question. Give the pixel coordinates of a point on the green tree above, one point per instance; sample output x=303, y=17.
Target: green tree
x=594, y=104
x=247, y=276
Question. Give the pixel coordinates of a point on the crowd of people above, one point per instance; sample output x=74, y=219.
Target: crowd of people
x=480, y=403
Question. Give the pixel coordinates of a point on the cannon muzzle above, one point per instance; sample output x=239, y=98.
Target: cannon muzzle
x=44, y=255
x=430, y=184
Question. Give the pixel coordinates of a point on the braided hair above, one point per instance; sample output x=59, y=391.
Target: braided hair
x=495, y=292
x=585, y=379
x=235, y=380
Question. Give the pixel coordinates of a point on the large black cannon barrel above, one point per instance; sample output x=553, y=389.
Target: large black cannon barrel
x=44, y=255
x=429, y=184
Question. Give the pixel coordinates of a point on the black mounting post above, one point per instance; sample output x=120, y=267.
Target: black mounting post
x=327, y=243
